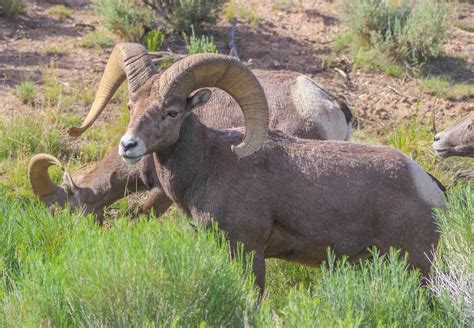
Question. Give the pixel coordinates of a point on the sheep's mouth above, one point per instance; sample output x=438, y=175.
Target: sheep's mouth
x=442, y=152
x=131, y=160
x=440, y=149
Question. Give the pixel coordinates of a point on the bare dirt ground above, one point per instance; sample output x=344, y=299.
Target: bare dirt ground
x=295, y=38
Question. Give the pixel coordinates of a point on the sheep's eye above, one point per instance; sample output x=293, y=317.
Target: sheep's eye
x=172, y=114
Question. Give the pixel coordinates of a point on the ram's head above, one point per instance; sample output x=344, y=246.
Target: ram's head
x=457, y=140
x=159, y=104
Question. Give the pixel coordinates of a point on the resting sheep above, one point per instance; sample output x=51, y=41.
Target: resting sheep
x=281, y=196
x=457, y=140
x=298, y=106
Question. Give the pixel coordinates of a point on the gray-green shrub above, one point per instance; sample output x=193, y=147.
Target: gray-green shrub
x=381, y=292
x=453, y=278
x=179, y=15
x=404, y=32
x=126, y=18
x=11, y=7
x=131, y=275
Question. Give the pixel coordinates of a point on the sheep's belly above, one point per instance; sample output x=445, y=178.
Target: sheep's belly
x=311, y=250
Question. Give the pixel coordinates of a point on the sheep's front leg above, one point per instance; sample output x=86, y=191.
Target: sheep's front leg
x=259, y=271
x=156, y=200
x=258, y=265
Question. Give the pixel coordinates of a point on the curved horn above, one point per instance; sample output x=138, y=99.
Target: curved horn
x=229, y=74
x=127, y=60
x=40, y=180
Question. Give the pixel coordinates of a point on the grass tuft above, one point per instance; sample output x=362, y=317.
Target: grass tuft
x=26, y=91
x=60, y=11
x=96, y=39
x=196, y=45
x=154, y=40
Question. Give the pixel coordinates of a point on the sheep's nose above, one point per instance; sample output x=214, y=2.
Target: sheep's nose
x=128, y=144
x=437, y=137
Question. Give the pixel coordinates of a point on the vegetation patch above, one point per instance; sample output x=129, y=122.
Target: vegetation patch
x=12, y=7
x=389, y=36
x=128, y=18
x=154, y=40
x=60, y=11
x=26, y=91
x=55, y=50
x=196, y=45
x=96, y=39
x=454, y=264
x=163, y=275
x=124, y=17
x=438, y=86
x=243, y=12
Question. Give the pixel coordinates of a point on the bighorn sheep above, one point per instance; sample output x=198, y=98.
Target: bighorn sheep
x=457, y=140
x=96, y=185
x=280, y=196
x=298, y=106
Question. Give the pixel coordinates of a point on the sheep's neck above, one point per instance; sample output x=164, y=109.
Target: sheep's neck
x=183, y=169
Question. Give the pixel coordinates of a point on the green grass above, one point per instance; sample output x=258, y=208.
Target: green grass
x=454, y=265
x=195, y=45
x=96, y=39
x=125, y=18
x=67, y=271
x=64, y=270
x=377, y=293
x=60, y=11
x=444, y=88
x=55, y=50
x=26, y=91
x=243, y=12
x=154, y=40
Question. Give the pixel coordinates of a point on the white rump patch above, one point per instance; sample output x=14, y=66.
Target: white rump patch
x=426, y=187
x=314, y=104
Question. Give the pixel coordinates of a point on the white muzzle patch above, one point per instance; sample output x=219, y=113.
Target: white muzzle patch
x=131, y=149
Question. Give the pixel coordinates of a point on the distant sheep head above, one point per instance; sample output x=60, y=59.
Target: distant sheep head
x=52, y=194
x=457, y=140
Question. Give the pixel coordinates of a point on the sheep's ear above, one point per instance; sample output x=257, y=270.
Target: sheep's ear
x=198, y=99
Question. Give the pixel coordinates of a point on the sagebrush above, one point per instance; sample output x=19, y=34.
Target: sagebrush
x=131, y=18
x=401, y=30
x=11, y=7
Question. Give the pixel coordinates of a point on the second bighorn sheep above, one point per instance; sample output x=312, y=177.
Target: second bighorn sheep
x=281, y=196
x=457, y=140
x=298, y=106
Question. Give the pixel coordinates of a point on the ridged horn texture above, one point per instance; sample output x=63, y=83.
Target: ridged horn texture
x=127, y=61
x=40, y=180
x=229, y=74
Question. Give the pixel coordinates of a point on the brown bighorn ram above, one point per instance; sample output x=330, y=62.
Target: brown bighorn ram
x=298, y=106
x=281, y=196
x=457, y=140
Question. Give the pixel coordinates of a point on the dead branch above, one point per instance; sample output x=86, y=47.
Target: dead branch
x=232, y=45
